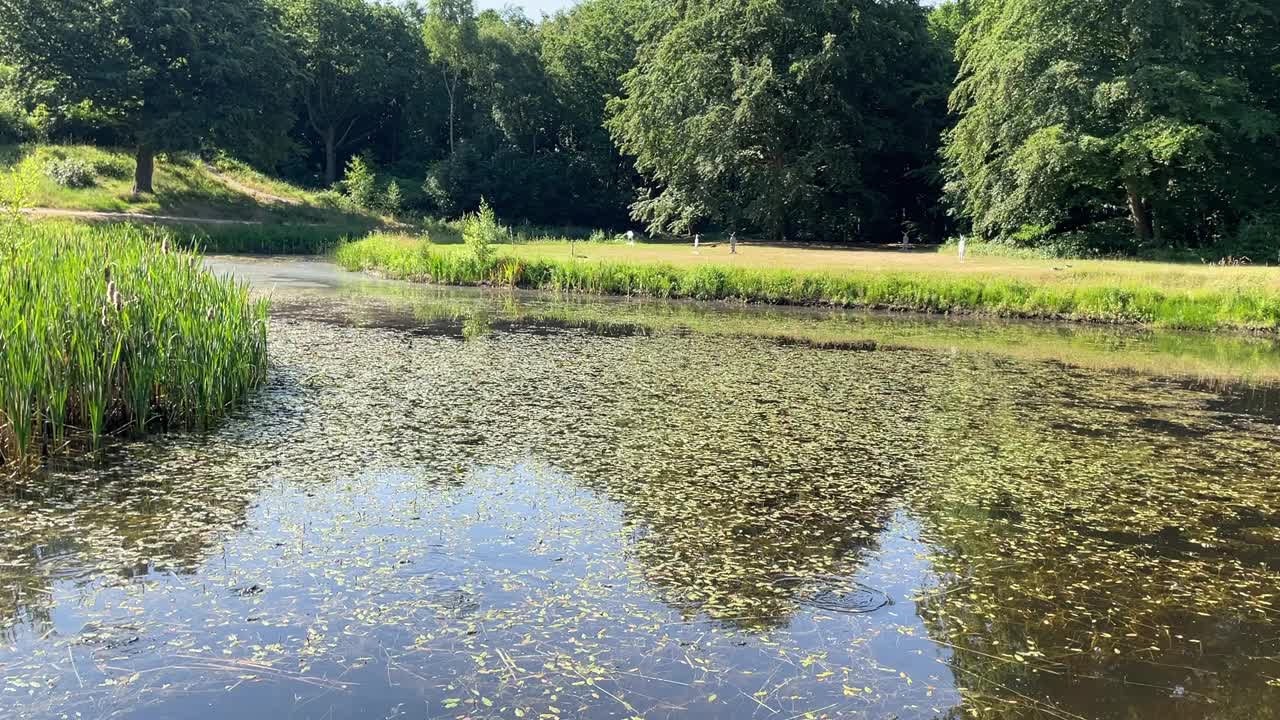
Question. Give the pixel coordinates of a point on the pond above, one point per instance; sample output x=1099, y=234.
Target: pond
x=487, y=504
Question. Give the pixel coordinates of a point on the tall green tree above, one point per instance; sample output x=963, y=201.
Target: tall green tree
x=1076, y=113
x=797, y=118
x=450, y=33
x=171, y=74
x=586, y=51
x=355, y=60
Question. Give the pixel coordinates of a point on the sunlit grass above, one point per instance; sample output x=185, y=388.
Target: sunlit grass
x=1159, y=295
x=108, y=330
x=185, y=186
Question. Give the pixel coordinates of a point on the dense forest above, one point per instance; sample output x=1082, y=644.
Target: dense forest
x=1078, y=125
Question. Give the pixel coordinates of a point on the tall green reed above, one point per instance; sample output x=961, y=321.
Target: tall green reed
x=112, y=329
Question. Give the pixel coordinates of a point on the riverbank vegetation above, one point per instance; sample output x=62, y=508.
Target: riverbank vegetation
x=110, y=330
x=1158, y=295
x=1072, y=128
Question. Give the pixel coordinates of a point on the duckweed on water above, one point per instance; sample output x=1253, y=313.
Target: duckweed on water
x=108, y=330
x=534, y=521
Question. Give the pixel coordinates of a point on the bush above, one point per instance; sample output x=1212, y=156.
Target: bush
x=1258, y=239
x=71, y=173
x=14, y=125
x=392, y=199
x=360, y=183
x=481, y=231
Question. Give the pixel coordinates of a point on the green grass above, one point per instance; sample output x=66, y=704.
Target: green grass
x=185, y=186
x=269, y=239
x=105, y=330
x=1199, y=298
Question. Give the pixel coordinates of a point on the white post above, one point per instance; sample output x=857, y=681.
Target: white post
x=696, y=239
x=961, y=248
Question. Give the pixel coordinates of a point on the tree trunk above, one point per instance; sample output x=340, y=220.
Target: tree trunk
x=330, y=156
x=1140, y=211
x=144, y=170
x=451, y=123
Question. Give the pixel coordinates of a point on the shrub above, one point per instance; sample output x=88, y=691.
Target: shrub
x=360, y=183
x=71, y=173
x=392, y=199
x=481, y=231
x=1258, y=239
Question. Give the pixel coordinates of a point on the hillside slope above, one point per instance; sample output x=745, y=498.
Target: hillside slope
x=186, y=186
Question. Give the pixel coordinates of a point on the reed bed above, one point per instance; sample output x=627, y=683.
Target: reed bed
x=112, y=330
x=1211, y=306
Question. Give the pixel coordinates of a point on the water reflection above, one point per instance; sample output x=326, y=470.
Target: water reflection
x=452, y=506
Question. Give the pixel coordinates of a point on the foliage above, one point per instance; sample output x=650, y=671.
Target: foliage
x=392, y=198
x=172, y=75
x=360, y=183
x=784, y=118
x=357, y=64
x=1080, y=112
x=17, y=184
x=71, y=172
x=1202, y=308
x=141, y=337
x=779, y=116
x=481, y=231
x=450, y=35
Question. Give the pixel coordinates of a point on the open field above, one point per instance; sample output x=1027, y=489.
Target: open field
x=1189, y=296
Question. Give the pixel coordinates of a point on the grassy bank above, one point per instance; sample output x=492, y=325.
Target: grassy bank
x=1155, y=294
x=107, y=330
x=94, y=179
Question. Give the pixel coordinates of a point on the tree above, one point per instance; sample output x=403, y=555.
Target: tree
x=773, y=115
x=586, y=51
x=355, y=60
x=1079, y=113
x=173, y=75
x=450, y=34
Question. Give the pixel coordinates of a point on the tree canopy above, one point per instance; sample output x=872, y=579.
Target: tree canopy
x=793, y=117
x=1078, y=116
x=1084, y=125
x=169, y=75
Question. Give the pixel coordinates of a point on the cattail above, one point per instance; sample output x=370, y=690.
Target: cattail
x=164, y=247
x=113, y=296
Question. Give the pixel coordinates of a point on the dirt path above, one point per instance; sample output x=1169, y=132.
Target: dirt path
x=256, y=194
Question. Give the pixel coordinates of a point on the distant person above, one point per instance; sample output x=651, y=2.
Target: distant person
x=733, y=243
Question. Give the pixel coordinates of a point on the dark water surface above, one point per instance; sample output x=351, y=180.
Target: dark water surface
x=464, y=504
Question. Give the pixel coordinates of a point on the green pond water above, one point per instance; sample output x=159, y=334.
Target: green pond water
x=480, y=504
